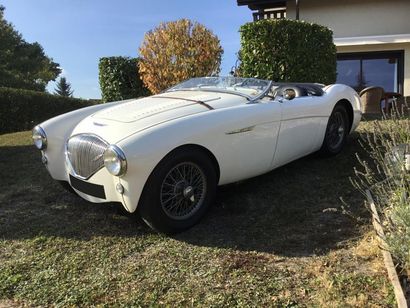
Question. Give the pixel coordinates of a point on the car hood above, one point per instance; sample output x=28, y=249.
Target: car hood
x=122, y=119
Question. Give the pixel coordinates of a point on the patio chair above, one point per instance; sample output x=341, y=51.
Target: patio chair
x=401, y=104
x=371, y=100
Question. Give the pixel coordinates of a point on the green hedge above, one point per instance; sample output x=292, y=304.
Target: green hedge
x=22, y=109
x=120, y=79
x=287, y=50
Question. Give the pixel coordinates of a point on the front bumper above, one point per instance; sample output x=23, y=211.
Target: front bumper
x=87, y=188
x=99, y=188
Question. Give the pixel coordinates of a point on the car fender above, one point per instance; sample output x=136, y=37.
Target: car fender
x=339, y=92
x=58, y=130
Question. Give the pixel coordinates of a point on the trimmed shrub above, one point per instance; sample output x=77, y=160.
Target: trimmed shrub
x=176, y=51
x=119, y=79
x=22, y=109
x=287, y=50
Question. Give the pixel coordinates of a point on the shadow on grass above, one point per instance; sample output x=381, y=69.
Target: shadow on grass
x=294, y=210
x=32, y=204
x=291, y=211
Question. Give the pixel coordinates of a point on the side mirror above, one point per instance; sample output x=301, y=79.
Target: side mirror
x=289, y=94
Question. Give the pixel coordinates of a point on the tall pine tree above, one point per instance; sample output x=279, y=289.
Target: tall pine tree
x=63, y=88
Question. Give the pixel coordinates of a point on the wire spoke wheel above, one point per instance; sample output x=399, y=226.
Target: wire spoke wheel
x=183, y=191
x=336, y=130
x=179, y=190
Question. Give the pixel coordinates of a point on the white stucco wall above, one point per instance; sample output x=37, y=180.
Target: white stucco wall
x=349, y=18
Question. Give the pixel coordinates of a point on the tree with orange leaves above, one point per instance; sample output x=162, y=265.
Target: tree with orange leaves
x=176, y=51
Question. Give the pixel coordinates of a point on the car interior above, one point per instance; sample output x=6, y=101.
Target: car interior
x=300, y=89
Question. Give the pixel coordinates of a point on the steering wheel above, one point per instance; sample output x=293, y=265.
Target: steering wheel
x=239, y=84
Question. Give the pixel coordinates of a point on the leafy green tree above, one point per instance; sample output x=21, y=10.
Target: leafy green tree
x=63, y=88
x=287, y=50
x=119, y=79
x=23, y=65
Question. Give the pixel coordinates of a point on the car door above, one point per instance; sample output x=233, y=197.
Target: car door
x=243, y=139
x=300, y=128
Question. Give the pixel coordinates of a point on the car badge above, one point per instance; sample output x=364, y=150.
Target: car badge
x=99, y=124
x=241, y=130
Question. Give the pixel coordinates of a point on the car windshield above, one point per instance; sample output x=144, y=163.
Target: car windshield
x=248, y=87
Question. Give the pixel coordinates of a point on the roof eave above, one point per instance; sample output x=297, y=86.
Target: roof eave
x=262, y=4
x=372, y=40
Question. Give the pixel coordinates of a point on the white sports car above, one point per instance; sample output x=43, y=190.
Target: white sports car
x=166, y=154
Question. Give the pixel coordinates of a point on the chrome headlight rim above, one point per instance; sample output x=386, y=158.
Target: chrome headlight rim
x=39, y=138
x=115, y=161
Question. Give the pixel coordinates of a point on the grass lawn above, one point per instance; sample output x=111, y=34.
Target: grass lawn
x=280, y=239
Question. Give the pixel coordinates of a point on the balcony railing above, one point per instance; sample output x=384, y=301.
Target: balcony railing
x=270, y=14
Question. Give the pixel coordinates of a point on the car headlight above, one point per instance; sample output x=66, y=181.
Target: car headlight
x=39, y=138
x=114, y=160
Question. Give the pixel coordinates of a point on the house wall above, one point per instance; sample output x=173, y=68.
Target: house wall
x=349, y=18
x=385, y=47
x=355, y=18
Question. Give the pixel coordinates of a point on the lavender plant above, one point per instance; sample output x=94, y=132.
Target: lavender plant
x=387, y=176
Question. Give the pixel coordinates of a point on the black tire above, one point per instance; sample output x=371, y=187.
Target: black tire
x=336, y=132
x=179, y=191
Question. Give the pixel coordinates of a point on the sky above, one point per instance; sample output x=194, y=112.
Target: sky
x=76, y=33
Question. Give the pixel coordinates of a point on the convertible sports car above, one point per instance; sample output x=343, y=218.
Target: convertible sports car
x=166, y=154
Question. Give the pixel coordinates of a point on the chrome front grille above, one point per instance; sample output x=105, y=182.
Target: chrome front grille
x=85, y=154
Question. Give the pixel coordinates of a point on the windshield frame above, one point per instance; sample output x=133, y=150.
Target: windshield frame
x=251, y=99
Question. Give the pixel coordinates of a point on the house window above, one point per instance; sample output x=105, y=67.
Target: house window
x=361, y=70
